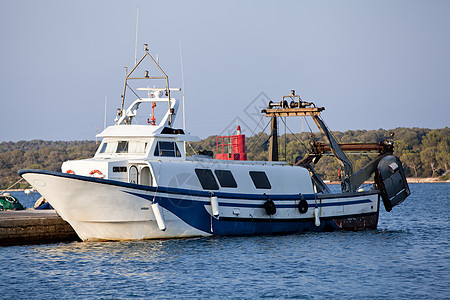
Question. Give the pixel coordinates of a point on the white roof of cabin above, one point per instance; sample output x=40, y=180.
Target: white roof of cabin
x=142, y=131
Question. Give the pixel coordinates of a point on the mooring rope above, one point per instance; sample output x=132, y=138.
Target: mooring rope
x=301, y=142
x=195, y=152
x=257, y=138
x=12, y=185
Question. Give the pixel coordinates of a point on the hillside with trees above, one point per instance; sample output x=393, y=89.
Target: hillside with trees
x=38, y=154
x=424, y=152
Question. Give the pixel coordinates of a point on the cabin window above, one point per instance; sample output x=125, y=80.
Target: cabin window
x=260, y=180
x=119, y=169
x=122, y=147
x=167, y=149
x=206, y=178
x=226, y=178
x=108, y=147
x=137, y=147
x=103, y=149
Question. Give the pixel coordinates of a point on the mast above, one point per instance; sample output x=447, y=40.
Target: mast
x=182, y=87
x=273, y=142
x=147, y=76
x=135, y=46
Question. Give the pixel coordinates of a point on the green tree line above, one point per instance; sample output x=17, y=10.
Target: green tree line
x=38, y=154
x=423, y=152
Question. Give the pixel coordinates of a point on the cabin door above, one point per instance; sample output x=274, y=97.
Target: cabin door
x=133, y=175
x=146, y=176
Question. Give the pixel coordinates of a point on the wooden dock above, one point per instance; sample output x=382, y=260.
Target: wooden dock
x=34, y=227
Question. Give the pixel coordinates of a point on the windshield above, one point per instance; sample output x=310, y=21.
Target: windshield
x=133, y=147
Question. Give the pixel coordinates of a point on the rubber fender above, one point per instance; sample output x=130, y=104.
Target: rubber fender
x=214, y=206
x=316, y=216
x=303, y=206
x=270, y=207
x=159, y=216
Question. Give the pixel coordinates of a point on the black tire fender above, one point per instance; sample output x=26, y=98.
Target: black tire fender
x=302, y=206
x=270, y=207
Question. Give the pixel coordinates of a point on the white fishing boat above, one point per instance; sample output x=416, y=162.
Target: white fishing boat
x=141, y=184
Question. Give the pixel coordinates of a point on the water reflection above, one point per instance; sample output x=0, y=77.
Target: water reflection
x=406, y=257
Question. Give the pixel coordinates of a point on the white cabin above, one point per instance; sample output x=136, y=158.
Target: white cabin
x=155, y=155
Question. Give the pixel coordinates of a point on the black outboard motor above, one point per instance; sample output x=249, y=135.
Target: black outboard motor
x=391, y=180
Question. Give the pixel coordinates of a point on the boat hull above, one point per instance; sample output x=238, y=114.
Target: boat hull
x=100, y=209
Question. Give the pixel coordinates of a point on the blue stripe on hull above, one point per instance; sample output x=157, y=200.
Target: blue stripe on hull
x=195, y=214
x=248, y=205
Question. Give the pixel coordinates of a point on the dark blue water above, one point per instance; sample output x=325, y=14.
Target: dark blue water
x=27, y=200
x=408, y=257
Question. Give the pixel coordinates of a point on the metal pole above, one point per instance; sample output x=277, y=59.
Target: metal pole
x=273, y=144
x=338, y=153
x=182, y=86
x=106, y=101
x=135, y=46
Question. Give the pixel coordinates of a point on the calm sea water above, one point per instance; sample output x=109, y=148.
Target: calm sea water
x=408, y=257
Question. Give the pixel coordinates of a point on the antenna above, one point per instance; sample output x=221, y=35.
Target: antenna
x=135, y=46
x=182, y=86
x=106, y=101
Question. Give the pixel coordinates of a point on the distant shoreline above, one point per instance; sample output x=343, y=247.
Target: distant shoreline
x=425, y=180
x=409, y=180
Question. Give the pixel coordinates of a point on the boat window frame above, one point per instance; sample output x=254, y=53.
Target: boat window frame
x=120, y=169
x=108, y=147
x=103, y=147
x=226, y=178
x=260, y=180
x=137, y=145
x=122, y=146
x=207, y=179
x=163, y=153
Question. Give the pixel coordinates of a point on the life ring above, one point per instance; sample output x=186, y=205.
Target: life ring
x=302, y=206
x=70, y=172
x=93, y=172
x=270, y=207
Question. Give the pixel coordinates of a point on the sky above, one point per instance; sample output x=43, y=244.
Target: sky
x=371, y=64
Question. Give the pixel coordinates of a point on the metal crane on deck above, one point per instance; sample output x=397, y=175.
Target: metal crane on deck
x=389, y=175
